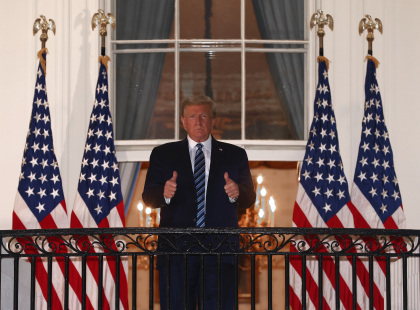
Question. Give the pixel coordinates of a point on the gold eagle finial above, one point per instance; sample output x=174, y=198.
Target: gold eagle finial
x=370, y=25
x=43, y=25
x=321, y=20
x=100, y=19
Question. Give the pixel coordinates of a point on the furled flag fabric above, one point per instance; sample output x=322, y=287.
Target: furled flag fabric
x=99, y=201
x=375, y=190
x=323, y=201
x=40, y=200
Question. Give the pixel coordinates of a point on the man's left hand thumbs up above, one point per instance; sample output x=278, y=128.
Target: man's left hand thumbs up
x=231, y=188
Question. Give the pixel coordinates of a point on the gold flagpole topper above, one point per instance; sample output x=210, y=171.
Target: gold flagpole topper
x=370, y=25
x=100, y=19
x=321, y=20
x=44, y=25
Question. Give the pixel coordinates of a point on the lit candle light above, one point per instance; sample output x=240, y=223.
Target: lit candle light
x=257, y=200
x=272, y=204
x=263, y=192
x=140, y=208
x=261, y=213
x=148, y=218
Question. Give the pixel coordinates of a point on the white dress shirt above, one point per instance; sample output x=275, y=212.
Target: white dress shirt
x=192, y=149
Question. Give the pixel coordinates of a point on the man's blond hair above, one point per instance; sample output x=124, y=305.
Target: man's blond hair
x=199, y=100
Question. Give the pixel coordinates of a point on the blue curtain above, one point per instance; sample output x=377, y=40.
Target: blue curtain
x=138, y=75
x=284, y=20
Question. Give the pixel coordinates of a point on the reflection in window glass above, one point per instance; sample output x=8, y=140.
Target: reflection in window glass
x=145, y=96
x=217, y=75
x=144, y=19
x=210, y=19
x=275, y=19
x=274, y=81
x=274, y=96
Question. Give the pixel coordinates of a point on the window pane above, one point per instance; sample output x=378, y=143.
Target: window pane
x=210, y=19
x=274, y=96
x=217, y=75
x=275, y=19
x=145, y=96
x=144, y=19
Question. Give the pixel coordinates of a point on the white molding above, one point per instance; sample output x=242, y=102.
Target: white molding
x=269, y=150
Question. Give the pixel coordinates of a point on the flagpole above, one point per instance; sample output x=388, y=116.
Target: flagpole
x=319, y=19
x=100, y=19
x=370, y=25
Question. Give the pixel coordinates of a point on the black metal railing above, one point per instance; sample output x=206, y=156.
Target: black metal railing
x=263, y=248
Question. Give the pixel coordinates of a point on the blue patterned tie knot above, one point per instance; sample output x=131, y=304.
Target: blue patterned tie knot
x=200, y=182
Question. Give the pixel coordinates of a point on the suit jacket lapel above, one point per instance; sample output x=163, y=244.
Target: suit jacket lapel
x=216, y=156
x=185, y=163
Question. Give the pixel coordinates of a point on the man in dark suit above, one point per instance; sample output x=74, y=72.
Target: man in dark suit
x=198, y=182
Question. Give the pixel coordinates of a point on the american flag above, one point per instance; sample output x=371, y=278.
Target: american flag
x=99, y=201
x=40, y=200
x=323, y=201
x=375, y=190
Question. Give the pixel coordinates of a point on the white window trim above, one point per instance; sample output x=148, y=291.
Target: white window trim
x=268, y=150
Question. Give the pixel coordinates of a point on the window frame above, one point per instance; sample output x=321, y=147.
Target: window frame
x=268, y=150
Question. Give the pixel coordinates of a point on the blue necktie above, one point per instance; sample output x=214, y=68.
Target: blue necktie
x=200, y=182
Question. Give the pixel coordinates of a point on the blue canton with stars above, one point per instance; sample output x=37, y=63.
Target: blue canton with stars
x=375, y=175
x=322, y=174
x=40, y=181
x=99, y=181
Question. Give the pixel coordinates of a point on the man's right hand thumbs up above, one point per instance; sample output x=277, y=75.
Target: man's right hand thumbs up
x=170, y=186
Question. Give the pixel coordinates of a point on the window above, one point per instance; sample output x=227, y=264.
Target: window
x=250, y=56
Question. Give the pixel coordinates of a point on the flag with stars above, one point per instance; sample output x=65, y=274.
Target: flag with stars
x=39, y=202
x=375, y=191
x=323, y=201
x=99, y=201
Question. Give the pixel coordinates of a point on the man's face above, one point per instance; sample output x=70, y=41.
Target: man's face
x=197, y=121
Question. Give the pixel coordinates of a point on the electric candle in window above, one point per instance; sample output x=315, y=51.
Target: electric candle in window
x=257, y=200
x=148, y=218
x=272, y=204
x=140, y=208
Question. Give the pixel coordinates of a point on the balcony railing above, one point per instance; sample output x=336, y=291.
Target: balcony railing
x=267, y=249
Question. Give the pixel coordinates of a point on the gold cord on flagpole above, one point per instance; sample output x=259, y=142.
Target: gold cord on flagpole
x=104, y=60
x=324, y=59
x=42, y=59
x=375, y=61
x=100, y=19
x=370, y=25
x=319, y=19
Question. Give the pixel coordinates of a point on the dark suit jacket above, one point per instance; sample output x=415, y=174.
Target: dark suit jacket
x=182, y=210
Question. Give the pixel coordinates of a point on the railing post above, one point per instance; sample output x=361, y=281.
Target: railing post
x=253, y=282
x=270, y=281
x=33, y=269
x=16, y=284
x=287, y=281
x=151, y=281
x=134, y=282
x=100, y=280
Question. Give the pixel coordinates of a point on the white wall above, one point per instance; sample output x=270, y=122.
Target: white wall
x=72, y=68
x=72, y=72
